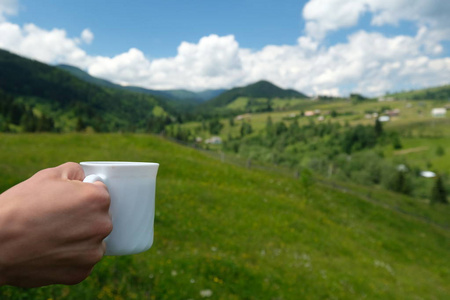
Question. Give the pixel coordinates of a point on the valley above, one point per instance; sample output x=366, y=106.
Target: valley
x=262, y=193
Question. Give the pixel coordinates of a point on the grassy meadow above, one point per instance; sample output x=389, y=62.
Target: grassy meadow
x=226, y=232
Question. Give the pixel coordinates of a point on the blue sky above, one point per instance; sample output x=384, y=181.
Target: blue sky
x=158, y=27
x=331, y=47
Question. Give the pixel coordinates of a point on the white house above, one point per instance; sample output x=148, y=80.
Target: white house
x=214, y=140
x=438, y=112
x=427, y=174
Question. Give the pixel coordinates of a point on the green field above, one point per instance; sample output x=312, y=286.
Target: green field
x=411, y=112
x=234, y=233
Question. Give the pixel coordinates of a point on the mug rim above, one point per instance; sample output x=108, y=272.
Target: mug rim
x=117, y=163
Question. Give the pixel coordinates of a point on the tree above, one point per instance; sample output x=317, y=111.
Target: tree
x=45, y=123
x=215, y=126
x=231, y=121
x=269, y=105
x=306, y=181
x=396, y=142
x=280, y=128
x=440, y=150
x=401, y=183
x=334, y=113
x=80, y=126
x=438, y=193
x=378, y=128
x=269, y=127
x=246, y=129
x=28, y=121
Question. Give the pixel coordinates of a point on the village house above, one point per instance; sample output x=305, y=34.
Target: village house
x=292, y=115
x=215, y=140
x=438, y=112
x=382, y=99
x=384, y=118
x=393, y=112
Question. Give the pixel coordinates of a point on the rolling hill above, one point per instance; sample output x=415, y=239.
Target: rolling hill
x=33, y=89
x=235, y=233
x=260, y=89
x=177, y=97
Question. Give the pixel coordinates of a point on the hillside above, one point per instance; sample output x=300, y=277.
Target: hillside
x=236, y=233
x=338, y=139
x=33, y=93
x=260, y=89
x=434, y=93
x=77, y=72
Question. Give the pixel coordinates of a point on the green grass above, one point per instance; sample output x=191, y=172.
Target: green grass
x=243, y=234
x=278, y=104
x=239, y=103
x=424, y=153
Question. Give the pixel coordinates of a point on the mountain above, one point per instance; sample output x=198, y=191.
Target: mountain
x=31, y=92
x=260, y=89
x=176, y=96
x=86, y=77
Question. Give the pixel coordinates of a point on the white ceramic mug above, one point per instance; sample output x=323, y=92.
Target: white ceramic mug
x=131, y=186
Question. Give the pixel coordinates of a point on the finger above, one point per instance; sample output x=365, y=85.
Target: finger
x=71, y=171
x=67, y=171
x=104, y=247
x=100, y=184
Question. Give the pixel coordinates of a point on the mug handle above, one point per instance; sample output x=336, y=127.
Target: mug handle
x=93, y=178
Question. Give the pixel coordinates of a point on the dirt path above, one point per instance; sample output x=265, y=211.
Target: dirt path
x=411, y=150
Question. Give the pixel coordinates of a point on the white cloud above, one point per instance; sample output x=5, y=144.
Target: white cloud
x=323, y=16
x=49, y=46
x=87, y=36
x=367, y=62
x=433, y=13
x=129, y=68
x=8, y=7
x=212, y=63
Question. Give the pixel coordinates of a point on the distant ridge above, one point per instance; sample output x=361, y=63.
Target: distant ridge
x=434, y=93
x=260, y=89
x=171, y=95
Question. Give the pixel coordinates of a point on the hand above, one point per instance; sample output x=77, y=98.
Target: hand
x=52, y=228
